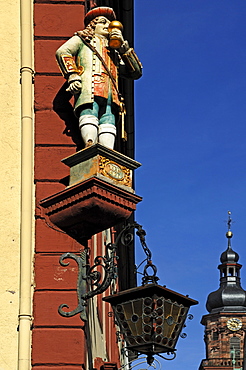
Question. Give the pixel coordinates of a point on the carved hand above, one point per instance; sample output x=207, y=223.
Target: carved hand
x=116, y=33
x=74, y=87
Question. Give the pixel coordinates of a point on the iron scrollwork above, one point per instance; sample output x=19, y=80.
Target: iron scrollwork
x=81, y=285
x=91, y=281
x=90, y=277
x=189, y=317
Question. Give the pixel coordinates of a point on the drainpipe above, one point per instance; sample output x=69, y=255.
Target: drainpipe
x=25, y=305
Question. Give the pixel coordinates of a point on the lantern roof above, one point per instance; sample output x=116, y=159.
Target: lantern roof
x=150, y=290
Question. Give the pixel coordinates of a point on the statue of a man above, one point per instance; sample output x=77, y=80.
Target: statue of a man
x=93, y=75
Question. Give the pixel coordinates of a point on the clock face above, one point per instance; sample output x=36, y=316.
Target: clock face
x=234, y=324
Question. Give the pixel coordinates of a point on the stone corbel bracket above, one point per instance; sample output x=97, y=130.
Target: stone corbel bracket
x=89, y=207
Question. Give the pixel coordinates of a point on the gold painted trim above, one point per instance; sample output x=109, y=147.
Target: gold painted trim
x=115, y=171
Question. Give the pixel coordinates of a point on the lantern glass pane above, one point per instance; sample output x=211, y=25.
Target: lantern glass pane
x=127, y=308
x=136, y=328
x=137, y=307
x=133, y=319
x=175, y=311
x=167, y=308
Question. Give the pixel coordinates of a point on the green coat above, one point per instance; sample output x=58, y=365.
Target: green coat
x=87, y=63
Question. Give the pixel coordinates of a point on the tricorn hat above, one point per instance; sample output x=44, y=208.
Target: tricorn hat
x=99, y=11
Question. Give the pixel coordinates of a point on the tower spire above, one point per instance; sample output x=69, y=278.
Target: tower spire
x=229, y=220
x=230, y=294
x=229, y=233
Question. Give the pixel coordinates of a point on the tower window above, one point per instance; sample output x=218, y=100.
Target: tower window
x=231, y=271
x=235, y=347
x=215, y=335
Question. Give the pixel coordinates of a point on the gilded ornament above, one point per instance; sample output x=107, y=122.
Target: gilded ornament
x=114, y=171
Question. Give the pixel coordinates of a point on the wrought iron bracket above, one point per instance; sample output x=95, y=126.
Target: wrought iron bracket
x=81, y=285
x=91, y=281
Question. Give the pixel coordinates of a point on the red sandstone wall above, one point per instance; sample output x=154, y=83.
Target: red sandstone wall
x=57, y=342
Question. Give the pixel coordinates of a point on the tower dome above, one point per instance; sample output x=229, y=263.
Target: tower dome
x=230, y=297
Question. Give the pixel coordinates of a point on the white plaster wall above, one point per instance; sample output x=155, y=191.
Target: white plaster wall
x=10, y=181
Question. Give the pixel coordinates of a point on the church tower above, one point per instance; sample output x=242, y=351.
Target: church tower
x=226, y=322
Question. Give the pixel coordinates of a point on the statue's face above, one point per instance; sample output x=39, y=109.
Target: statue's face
x=102, y=26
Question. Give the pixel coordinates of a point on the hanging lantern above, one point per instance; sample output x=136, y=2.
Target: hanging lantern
x=150, y=317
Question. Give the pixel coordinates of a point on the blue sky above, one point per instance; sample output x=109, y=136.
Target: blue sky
x=191, y=140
